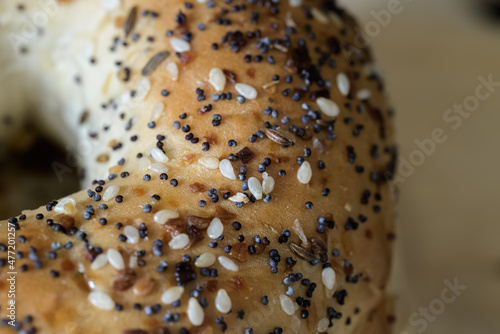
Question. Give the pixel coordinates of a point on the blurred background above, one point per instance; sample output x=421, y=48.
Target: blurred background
x=432, y=53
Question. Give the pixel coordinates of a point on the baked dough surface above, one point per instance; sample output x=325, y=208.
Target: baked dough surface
x=193, y=108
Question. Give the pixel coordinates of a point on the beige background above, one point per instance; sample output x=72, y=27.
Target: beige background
x=432, y=53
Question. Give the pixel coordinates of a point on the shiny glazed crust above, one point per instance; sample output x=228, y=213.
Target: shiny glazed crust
x=170, y=159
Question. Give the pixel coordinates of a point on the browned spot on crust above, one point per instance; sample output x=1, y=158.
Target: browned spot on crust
x=273, y=158
x=188, y=158
x=67, y=265
x=115, y=169
x=348, y=270
x=289, y=268
x=237, y=283
x=211, y=285
x=103, y=157
x=195, y=234
x=89, y=254
x=222, y=213
x=144, y=287
x=324, y=182
x=66, y=221
x=197, y=187
x=231, y=77
x=119, y=21
x=84, y=116
x=239, y=252
x=271, y=90
x=175, y=226
x=113, y=143
x=137, y=191
x=211, y=138
x=251, y=72
x=199, y=223
x=259, y=248
x=152, y=323
x=245, y=155
x=124, y=279
x=185, y=57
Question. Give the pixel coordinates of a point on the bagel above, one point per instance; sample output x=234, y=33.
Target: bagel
x=236, y=158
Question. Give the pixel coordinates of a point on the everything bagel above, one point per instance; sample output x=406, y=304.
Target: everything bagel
x=236, y=158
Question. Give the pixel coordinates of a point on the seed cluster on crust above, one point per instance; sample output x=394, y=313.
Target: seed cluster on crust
x=265, y=132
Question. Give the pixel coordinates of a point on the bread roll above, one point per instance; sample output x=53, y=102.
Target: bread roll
x=237, y=159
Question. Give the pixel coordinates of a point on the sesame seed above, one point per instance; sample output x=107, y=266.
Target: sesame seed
x=110, y=192
x=195, y=312
x=158, y=168
x=157, y=111
x=101, y=300
x=226, y=169
x=304, y=174
x=267, y=184
x=173, y=70
x=287, y=305
x=99, y=261
x=60, y=206
x=179, y=45
x=115, y=258
x=205, y=260
x=172, y=295
x=217, y=79
x=255, y=187
x=163, y=216
x=132, y=234
x=222, y=301
x=247, y=91
x=319, y=16
x=328, y=278
x=209, y=162
x=364, y=94
x=179, y=241
x=143, y=88
x=228, y=263
x=343, y=84
x=323, y=325
x=215, y=229
x=328, y=107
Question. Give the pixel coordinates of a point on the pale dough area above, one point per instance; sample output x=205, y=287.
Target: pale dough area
x=432, y=53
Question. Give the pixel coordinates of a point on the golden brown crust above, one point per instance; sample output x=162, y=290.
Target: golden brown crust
x=352, y=157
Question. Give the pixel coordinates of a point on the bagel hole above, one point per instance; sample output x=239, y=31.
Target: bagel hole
x=29, y=175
